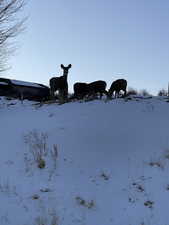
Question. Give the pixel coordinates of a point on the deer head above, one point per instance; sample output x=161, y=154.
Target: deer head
x=65, y=69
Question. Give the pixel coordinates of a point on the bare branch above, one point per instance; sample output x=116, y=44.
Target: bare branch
x=10, y=27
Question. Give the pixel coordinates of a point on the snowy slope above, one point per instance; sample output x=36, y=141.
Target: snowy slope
x=111, y=169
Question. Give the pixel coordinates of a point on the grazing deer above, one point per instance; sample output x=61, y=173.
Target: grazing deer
x=60, y=84
x=83, y=89
x=98, y=86
x=80, y=90
x=116, y=87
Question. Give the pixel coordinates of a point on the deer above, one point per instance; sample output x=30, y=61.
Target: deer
x=117, y=86
x=98, y=86
x=80, y=90
x=60, y=84
x=89, y=89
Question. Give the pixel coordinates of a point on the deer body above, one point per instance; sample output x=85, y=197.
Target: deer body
x=96, y=87
x=80, y=90
x=117, y=86
x=60, y=84
x=91, y=89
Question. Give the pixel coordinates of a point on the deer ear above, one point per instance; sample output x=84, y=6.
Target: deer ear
x=62, y=66
x=69, y=66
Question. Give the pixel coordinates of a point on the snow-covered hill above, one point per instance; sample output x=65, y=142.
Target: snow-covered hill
x=105, y=163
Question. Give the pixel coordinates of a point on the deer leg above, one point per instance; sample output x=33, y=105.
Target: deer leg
x=125, y=93
x=106, y=93
x=61, y=96
x=52, y=93
x=65, y=94
x=101, y=94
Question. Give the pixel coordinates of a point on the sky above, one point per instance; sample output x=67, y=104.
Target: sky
x=103, y=40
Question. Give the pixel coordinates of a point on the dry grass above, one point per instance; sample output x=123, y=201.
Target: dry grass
x=104, y=176
x=157, y=163
x=39, y=150
x=37, y=143
x=8, y=189
x=87, y=204
x=45, y=190
x=149, y=204
x=166, y=154
x=51, y=219
x=138, y=187
x=35, y=197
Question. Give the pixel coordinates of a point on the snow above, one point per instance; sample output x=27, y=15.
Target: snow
x=112, y=165
x=3, y=83
x=24, y=83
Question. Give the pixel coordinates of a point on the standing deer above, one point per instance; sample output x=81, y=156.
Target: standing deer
x=60, y=84
x=116, y=87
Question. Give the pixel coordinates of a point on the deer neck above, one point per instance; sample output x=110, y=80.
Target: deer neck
x=65, y=73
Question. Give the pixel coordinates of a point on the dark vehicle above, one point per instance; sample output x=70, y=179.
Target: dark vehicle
x=23, y=90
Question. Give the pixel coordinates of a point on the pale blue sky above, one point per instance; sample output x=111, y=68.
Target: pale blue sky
x=101, y=39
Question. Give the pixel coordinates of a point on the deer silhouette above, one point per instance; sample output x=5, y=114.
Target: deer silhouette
x=98, y=86
x=90, y=89
x=117, y=86
x=80, y=90
x=60, y=84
